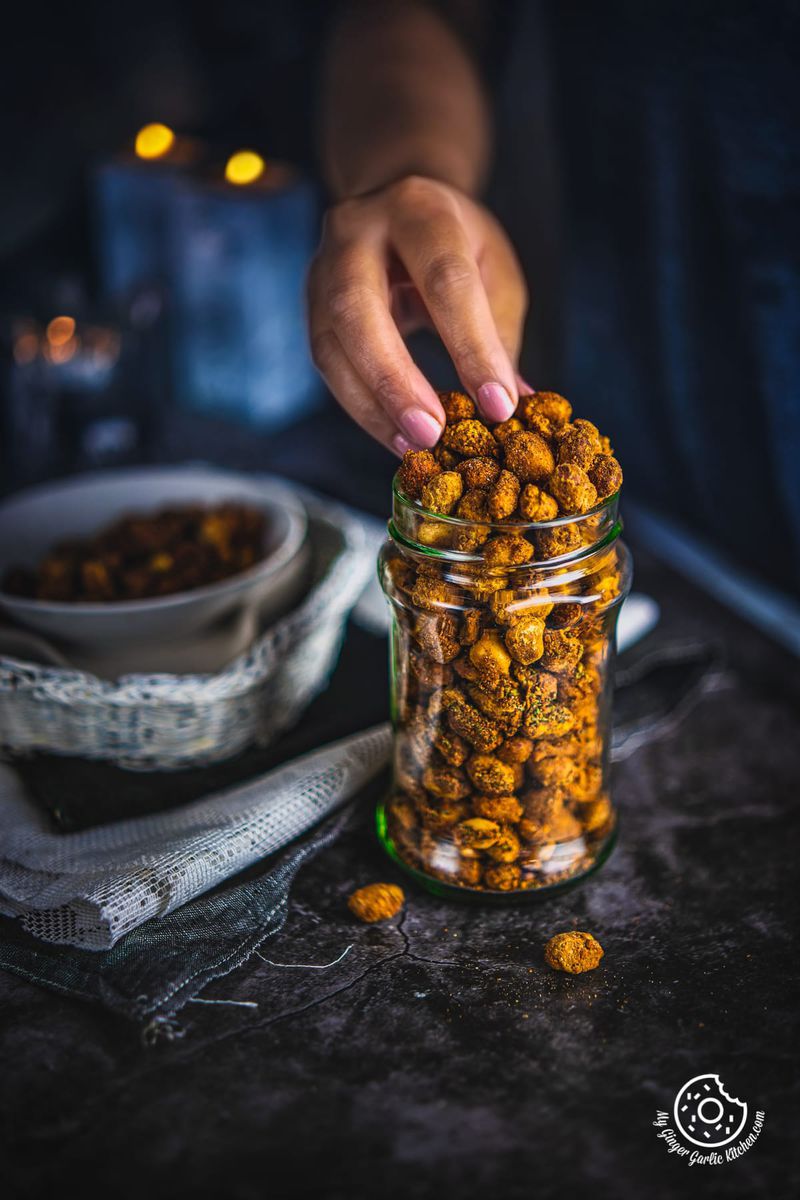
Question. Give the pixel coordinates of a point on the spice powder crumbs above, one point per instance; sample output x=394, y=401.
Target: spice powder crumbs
x=573, y=952
x=376, y=902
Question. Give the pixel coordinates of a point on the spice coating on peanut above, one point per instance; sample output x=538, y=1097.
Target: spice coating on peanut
x=470, y=438
x=490, y=653
x=416, y=470
x=446, y=783
x=537, y=505
x=478, y=472
x=572, y=488
x=502, y=877
x=376, y=902
x=503, y=809
x=573, y=952
x=503, y=431
x=507, y=551
x=457, y=406
x=545, y=405
x=490, y=775
x=525, y=640
x=442, y=493
x=529, y=457
x=503, y=496
x=478, y=833
x=606, y=475
x=579, y=443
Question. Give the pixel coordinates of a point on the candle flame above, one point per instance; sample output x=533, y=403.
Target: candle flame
x=243, y=167
x=60, y=330
x=154, y=141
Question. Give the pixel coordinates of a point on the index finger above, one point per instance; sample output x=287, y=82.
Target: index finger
x=436, y=252
x=355, y=292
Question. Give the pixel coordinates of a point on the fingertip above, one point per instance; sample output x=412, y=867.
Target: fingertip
x=426, y=400
x=495, y=402
x=421, y=429
x=400, y=445
x=440, y=415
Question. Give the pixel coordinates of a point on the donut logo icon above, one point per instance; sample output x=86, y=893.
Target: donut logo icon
x=706, y=1115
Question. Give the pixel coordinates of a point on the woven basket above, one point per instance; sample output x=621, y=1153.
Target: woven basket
x=164, y=722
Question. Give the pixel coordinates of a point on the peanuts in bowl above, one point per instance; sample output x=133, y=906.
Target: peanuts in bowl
x=148, y=556
x=144, y=555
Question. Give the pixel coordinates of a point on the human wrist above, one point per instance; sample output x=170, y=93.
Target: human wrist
x=440, y=164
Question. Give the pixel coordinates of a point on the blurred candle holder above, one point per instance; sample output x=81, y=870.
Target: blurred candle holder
x=230, y=244
x=132, y=195
x=244, y=238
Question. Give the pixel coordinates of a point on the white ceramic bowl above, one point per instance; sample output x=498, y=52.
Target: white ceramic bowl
x=32, y=521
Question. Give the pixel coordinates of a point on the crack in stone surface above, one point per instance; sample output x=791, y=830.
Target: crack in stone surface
x=405, y=953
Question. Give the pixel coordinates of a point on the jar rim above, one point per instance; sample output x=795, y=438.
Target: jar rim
x=518, y=526
x=607, y=530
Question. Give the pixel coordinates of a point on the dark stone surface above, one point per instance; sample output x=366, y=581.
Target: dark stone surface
x=441, y=1057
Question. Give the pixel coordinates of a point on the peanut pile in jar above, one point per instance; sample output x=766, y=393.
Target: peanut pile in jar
x=505, y=582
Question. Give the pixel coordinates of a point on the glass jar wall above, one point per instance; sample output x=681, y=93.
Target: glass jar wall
x=501, y=658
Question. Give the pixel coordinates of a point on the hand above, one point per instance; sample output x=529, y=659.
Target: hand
x=415, y=253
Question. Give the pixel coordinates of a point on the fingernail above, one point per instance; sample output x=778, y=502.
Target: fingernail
x=495, y=402
x=420, y=427
x=400, y=445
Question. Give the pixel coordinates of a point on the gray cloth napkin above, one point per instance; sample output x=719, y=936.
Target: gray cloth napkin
x=88, y=889
x=161, y=966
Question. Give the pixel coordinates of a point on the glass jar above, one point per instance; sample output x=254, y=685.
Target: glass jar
x=502, y=648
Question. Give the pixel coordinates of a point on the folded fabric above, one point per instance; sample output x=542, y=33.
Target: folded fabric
x=161, y=966
x=88, y=889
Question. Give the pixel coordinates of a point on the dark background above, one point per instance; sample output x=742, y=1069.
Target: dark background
x=647, y=169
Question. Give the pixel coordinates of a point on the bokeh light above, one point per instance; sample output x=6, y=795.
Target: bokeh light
x=154, y=141
x=60, y=330
x=244, y=167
